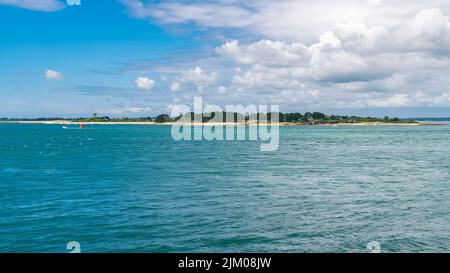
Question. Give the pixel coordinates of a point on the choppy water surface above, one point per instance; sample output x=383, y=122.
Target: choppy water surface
x=133, y=189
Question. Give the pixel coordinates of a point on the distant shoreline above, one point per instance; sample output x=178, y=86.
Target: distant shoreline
x=66, y=122
x=225, y=119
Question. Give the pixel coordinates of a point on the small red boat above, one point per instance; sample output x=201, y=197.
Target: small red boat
x=82, y=126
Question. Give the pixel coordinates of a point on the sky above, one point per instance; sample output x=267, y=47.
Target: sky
x=71, y=58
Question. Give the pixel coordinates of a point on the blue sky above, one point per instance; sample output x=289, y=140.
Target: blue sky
x=140, y=58
x=91, y=51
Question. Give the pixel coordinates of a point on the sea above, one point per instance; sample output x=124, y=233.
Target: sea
x=133, y=188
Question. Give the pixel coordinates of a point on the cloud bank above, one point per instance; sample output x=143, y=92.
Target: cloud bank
x=351, y=54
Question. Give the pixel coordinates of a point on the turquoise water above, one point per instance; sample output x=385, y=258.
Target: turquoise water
x=133, y=189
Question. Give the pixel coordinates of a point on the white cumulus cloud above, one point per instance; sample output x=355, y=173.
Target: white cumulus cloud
x=198, y=76
x=144, y=83
x=53, y=75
